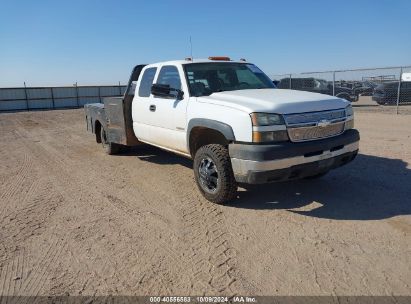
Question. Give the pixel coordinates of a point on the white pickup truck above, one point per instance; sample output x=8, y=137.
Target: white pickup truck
x=228, y=117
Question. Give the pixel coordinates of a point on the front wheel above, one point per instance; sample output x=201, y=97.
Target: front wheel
x=109, y=147
x=214, y=175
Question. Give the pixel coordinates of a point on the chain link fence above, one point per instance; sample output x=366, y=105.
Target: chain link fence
x=388, y=87
x=36, y=98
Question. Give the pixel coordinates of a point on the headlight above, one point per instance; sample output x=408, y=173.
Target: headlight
x=266, y=119
x=268, y=127
x=349, y=111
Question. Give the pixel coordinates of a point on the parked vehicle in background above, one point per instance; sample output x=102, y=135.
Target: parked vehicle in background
x=358, y=88
x=316, y=85
x=406, y=77
x=386, y=93
x=231, y=120
x=367, y=88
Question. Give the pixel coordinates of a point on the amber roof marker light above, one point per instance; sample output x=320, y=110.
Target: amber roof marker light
x=221, y=58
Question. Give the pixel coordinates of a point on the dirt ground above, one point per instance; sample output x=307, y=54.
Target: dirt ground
x=76, y=221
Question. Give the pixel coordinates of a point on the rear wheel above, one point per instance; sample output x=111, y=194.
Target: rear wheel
x=109, y=147
x=214, y=175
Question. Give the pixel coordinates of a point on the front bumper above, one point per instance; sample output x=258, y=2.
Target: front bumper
x=257, y=164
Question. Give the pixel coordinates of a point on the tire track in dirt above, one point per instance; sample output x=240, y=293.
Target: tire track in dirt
x=218, y=267
x=203, y=226
x=19, y=174
x=23, y=223
x=20, y=179
x=62, y=183
x=212, y=270
x=234, y=250
x=56, y=164
x=119, y=204
x=37, y=277
x=5, y=278
x=28, y=219
x=11, y=275
x=17, y=279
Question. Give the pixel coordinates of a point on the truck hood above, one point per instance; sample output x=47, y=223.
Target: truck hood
x=275, y=101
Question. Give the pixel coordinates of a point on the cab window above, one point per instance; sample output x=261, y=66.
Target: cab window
x=169, y=75
x=146, y=82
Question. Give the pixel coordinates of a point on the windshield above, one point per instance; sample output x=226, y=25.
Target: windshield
x=207, y=78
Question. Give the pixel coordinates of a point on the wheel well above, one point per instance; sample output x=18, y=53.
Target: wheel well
x=201, y=136
x=97, y=131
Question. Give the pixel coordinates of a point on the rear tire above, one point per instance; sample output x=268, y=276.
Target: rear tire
x=214, y=175
x=109, y=147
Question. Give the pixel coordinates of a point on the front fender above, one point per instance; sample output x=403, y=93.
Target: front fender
x=222, y=127
x=219, y=126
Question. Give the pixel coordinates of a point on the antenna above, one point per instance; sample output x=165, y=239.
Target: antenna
x=191, y=49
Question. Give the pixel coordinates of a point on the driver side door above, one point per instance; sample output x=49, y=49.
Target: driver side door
x=170, y=122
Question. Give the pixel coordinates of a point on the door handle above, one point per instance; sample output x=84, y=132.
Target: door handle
x=152, y=108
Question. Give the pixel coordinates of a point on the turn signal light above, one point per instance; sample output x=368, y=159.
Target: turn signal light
x=270, y=136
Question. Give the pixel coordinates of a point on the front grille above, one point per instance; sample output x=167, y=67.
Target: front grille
x=308, y=133
x=311, y=117
x=315, y=125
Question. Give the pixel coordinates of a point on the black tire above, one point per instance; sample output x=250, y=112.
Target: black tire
x=319, y=175
x=109, y=148
x=214, y=175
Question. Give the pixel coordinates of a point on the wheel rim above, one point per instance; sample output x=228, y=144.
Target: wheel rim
x=208, y=175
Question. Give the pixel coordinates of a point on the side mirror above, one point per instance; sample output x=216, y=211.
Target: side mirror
x=164, y=90
x=160, y=90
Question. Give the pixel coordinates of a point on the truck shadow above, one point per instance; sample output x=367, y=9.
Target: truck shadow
x=369, y=188
x=157, y=156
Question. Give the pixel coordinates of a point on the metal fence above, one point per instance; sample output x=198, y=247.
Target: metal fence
x=31, y=98
x=387, y=86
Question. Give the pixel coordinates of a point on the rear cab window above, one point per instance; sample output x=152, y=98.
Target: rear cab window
x=146, y=82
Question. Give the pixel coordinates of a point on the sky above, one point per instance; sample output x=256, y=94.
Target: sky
x=99, y=41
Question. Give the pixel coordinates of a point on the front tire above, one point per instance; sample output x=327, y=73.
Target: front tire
x=214, y=175
x=109, y=147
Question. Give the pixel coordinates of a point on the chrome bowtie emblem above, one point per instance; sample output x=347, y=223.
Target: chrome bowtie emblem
x=323, y=123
